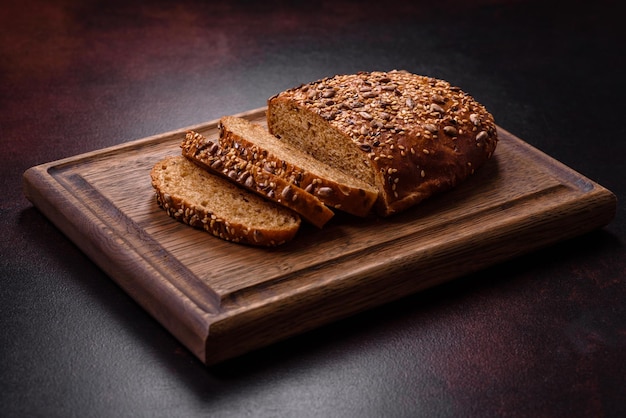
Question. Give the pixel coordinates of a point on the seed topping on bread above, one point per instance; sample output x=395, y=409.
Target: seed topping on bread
x=393, y=103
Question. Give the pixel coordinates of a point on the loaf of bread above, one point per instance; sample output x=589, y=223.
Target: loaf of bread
x=191, y=195
x=409, y=136
x=226, y=163
x=333, y=187
x=382, y=140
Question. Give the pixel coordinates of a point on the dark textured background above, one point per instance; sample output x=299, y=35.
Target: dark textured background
x=541, y=335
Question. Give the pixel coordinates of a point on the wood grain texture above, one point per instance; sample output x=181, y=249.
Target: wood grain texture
x=222, y=299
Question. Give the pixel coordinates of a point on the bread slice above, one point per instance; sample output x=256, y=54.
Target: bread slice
x=408, y=135
x=210, y=156
x=333, y=187
x=193, y=196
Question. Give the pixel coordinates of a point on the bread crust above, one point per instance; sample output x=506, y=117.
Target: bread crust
x=211, y=157
x=180, y=205
x=334, y=188
x=416, y=135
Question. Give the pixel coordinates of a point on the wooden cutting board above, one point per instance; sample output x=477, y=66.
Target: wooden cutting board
x=222, y=299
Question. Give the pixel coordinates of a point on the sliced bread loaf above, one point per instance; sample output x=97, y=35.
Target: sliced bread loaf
x=333, y=187
x=210, y=156
x=408, y=135
x=193, y=196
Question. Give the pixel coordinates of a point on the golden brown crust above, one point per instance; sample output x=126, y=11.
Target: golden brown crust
x=210, y=156
x=182, y=204
x=420, y=135
x=334, y=188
